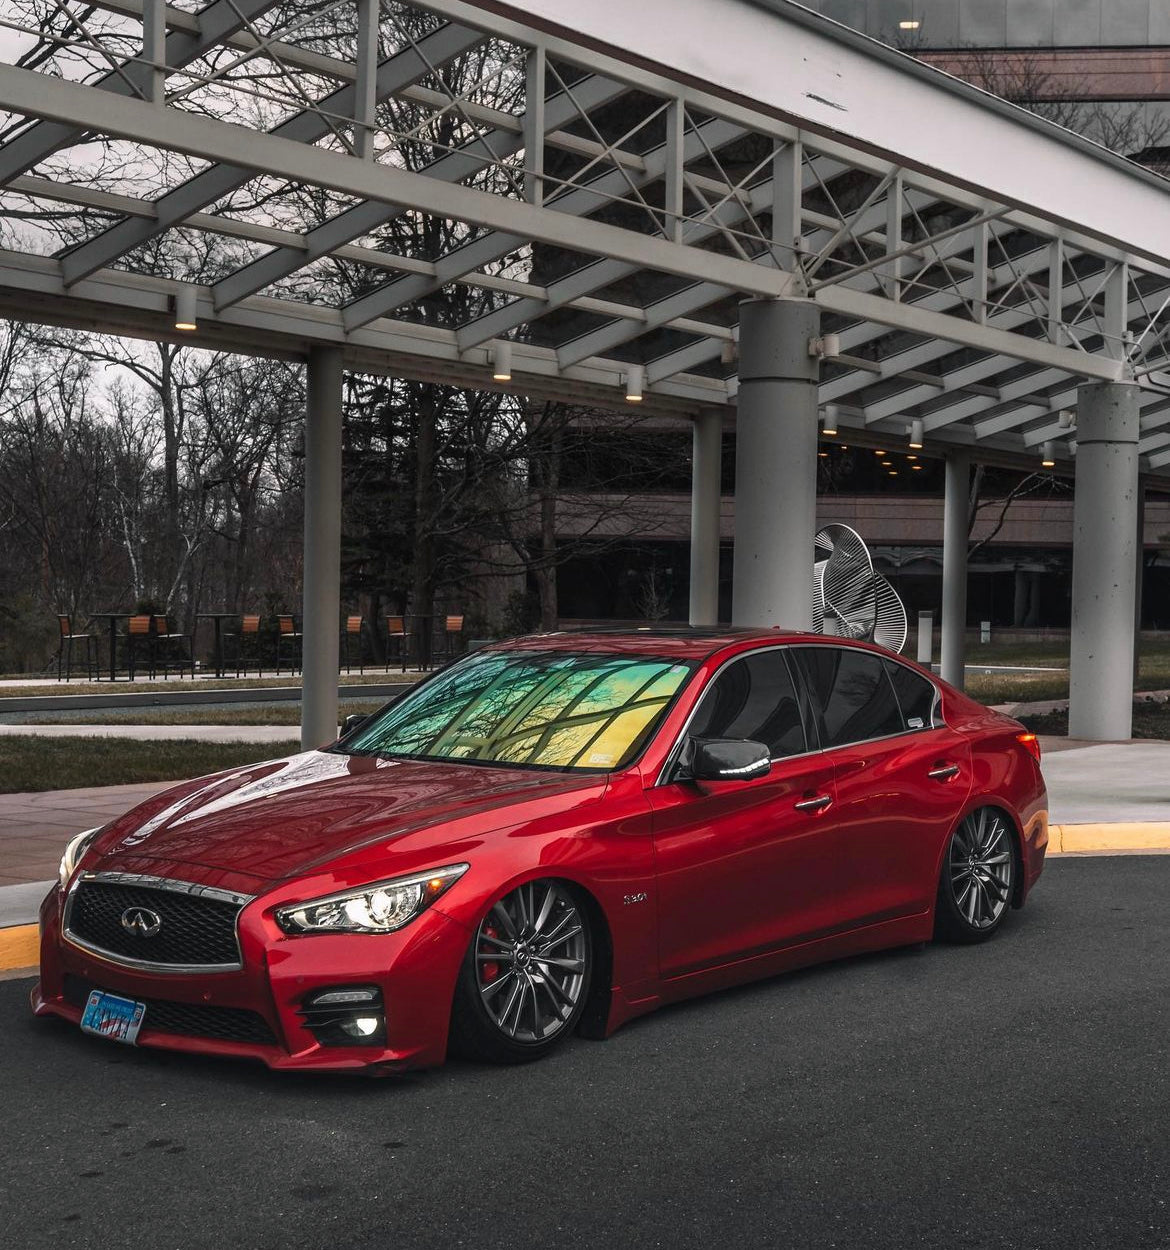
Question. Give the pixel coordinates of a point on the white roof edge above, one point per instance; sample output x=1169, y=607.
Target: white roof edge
x=832, y=77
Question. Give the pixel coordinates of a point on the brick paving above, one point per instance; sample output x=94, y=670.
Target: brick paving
x=35, y=827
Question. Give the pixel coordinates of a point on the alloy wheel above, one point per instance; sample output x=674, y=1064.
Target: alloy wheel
x=530, y=957
x=981, y=867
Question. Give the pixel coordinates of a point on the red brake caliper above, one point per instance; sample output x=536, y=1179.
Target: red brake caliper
x=491, y=969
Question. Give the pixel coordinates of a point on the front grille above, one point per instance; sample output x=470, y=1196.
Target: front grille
x=226, y=1024
x=194, y=931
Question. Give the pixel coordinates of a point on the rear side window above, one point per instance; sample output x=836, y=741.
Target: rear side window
x=753, y=698
x=852, y=692
x=915, y=696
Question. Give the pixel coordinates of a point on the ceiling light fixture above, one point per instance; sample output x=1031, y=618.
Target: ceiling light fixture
x=829, y=423
x=185, y=308
x=635, y=380
x=502, y=360
x=917, y=432
x=1047, y=456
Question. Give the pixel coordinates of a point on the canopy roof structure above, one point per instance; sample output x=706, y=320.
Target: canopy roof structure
x=605, y=183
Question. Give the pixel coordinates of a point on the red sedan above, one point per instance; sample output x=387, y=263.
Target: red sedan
x=553, y=835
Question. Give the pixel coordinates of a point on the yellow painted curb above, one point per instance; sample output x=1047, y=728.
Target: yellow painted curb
x=19, y=947
x=1080, y=839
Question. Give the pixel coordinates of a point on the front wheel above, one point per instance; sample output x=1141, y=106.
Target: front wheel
x=525, y=979
x=978, y=878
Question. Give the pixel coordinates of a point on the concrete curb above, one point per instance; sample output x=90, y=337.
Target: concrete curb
x=19, y=949
x=1108, y=839
x=19, y=943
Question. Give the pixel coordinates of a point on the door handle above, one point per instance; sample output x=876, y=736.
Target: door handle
x=814, y=805
x=944, y=772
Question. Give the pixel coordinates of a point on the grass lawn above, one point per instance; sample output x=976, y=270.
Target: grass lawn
x=226, y=714
x=38, y=763
x=1153, y=671
x=1150, y=720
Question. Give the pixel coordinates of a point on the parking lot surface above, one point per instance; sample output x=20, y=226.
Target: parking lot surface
x=1015, y=1094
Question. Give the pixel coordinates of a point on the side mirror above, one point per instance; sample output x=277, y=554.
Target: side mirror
x=353, y=721
x=728, y=759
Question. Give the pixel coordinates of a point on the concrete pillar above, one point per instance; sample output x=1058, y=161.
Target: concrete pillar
x=1020, y=599
x=925, y=655
x=322, y=589
x=775, y=464
x=953, y=652
x=706, y=500
x=1104, y=562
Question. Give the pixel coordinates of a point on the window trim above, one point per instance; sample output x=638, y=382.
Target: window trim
x=812, y=729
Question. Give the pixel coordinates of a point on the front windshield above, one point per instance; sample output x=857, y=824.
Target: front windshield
x=537, y=709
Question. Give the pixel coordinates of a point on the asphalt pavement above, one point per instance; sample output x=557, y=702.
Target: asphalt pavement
x=1015, y=1094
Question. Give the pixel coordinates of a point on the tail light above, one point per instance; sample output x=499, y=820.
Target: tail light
x=1031, y=744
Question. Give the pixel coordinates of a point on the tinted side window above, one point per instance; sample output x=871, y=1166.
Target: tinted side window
x=853, y=692
x=915, y=695
x=753, y=698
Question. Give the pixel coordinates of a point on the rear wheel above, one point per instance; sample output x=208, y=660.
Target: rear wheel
x=978, y=878
x=525, y=978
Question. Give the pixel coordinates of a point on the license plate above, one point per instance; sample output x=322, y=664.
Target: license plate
x=107, y=1015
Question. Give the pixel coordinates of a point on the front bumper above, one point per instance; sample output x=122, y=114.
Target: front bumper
x=415, y=968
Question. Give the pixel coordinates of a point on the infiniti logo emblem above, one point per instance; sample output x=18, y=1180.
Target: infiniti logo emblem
x=141, y=921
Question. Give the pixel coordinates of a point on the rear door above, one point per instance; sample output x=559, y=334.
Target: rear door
x=901, y=776
x=741, y=867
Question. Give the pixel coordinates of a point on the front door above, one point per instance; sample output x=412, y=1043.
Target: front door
x=745, y=867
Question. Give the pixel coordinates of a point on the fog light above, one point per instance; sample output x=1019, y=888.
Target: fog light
x=361, y=1026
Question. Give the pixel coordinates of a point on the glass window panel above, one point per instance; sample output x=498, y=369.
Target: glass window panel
x=1029, y=25
x=1159, y=23
x=940, y=23
x=753, y=698
x=915, y=695
x=1078, y=23
x=1126, y=22
x=983, y=23
x=856, y=699
x=539, y=709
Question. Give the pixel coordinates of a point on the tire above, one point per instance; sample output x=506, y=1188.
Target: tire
x=978, y=878
x=526, y=976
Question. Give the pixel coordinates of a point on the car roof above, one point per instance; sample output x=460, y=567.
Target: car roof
x=679, y=642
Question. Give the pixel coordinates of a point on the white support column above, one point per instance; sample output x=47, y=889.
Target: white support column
x=676, y=114
x=953, y=652
x=706, y=509
x=1104, y=562
x=321, y=610
x=534, y=125
x=775, y=464
x=365, y=93
x=154, y=48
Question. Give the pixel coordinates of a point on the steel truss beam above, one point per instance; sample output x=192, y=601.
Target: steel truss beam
x=1084, y=321
x=211, y=26
x=306, y=127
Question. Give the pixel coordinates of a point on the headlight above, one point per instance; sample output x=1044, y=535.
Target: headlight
x=379, y=908
x=73, y=853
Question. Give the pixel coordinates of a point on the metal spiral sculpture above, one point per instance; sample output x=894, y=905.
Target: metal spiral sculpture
x=850, y=598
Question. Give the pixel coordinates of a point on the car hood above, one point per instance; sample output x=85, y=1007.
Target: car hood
x=286, y=817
